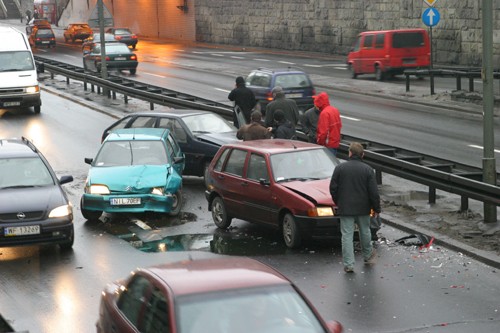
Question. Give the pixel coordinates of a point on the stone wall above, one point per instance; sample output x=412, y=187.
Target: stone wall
x=330, y=26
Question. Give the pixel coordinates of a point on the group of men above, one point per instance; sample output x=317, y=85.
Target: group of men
x=353, y=186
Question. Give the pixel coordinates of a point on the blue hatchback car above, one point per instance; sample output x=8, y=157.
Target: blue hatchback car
x=136, y=170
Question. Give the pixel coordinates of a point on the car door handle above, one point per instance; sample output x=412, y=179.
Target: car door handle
x=244, y=183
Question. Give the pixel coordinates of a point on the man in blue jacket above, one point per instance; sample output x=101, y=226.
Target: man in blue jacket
x=354, y=189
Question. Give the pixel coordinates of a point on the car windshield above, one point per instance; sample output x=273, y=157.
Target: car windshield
x=126, y=153
x=24, y=172
x=16, y=61
x=303, y=165
x=265, y=310
x=208, y=123
x=123, y=32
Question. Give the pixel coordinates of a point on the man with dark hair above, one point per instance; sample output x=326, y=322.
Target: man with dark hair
x=244, y=100
x=283, y=128
x=255, y=130
x=354, y=189
x=310, y=123
x=280, y=102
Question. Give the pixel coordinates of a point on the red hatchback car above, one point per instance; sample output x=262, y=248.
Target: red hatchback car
x=218, y=295
x=280, y=183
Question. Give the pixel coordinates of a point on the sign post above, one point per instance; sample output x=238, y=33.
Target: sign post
x=431, y=17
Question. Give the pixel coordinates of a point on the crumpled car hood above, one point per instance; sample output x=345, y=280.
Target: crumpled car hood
x=317, y=190
x=218, y=138
x=129, y=178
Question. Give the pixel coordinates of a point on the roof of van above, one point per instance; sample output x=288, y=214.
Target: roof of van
x=13, y=39
x=395, y=30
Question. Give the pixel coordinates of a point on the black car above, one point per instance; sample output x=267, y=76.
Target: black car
x=118, y=56
x=90, y=42
x=42, y=36
x=296, y=85
x=124, y=35
x=34, y=208
x=199, y=133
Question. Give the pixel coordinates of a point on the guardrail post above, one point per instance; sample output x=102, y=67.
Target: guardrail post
x=52, y=75
x=431, y=76
x=151, y=106
x=464, y=204
x=125, y=99
x=98, y=90
x=378, y=176
x=459, y=82
x=407, y=82
x=114, y=94
x=67, y=80
x=85, y=84
x=432, y=195
x=471, y=84
x=92, y=88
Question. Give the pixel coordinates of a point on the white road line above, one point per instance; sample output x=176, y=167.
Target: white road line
x=350, y=118
x=480, y=147
x=316, y=66
x=223, y=90
x=217, y=55
x=287, y=62
x=180, y=50
x=161, y=76
x=235, y=57
x=257, y=59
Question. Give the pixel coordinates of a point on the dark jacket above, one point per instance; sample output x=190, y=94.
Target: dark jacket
x=253, y=131
x=284, y=130
x=245, y=99
x=310, y=123
x=289, y=107
x=354, y=188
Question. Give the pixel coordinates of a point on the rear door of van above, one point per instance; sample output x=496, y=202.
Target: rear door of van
x=409, y=49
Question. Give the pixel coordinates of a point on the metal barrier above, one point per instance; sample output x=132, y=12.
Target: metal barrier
x=431, y=171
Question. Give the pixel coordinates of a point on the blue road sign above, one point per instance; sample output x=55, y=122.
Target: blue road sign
x=431, y=17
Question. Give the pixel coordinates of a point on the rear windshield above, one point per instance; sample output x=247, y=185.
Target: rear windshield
x=45, y=33
x=289, y=81
x=407, y=39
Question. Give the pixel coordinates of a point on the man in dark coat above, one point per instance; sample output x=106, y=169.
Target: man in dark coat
x=310, y=123
x=280, y=102
x=283, y=128
x=354, y=189
x=255, y=130
x=244, y=99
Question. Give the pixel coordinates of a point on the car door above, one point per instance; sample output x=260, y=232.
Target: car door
x=257, y=196
x=175, y=154
x=230, y=181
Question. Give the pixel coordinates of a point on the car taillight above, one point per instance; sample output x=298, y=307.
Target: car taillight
x=133, y=57
x=134, y=37
x=118, y=37
x=269, y=96
x=107, y=58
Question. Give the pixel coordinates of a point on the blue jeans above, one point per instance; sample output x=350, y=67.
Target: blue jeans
x=365, y=236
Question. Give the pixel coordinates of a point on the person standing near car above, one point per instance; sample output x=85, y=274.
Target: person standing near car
x=280, y=102
x=244, y=99
x=353, y=188
x=255, y=130
x=329, y=123
x=283, y=128
x=310, y=123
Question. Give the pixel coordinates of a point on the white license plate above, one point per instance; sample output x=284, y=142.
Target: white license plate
x=45, y=42
x=293, y=95
x=11, y=103
x=22, y=230
x=120, y=58
x=125, y=201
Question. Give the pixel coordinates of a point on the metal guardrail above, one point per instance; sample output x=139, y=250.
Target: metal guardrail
x=427, y=170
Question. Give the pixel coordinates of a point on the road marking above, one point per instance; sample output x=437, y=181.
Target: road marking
x=257, y=59
x=287, y=62
x=480, y=147
x=235, y=57
x=161, y=76
x=350, y=118
x=217, y=55
x=180, y=50
x=223, y=90
x=338, y=66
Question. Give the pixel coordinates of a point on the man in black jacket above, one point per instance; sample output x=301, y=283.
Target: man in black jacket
x=244, y=98
x=354, y=189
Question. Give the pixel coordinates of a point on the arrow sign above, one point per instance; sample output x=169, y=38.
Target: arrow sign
x=430, y=3
x=431, y=17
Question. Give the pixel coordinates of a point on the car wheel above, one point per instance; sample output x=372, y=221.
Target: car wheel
x=133, y=71
x=37, y=108
x=219, y=214
x=176, y=207
x=291, y=233
x=73, y=39
x=379, y=75
x=90, y=215
x=68, y=244
x=353, y=73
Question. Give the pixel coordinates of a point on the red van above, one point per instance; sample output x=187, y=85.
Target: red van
x=389, y=52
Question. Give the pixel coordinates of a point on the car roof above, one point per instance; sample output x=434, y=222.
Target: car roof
x=149, y=134
x=174, y=112
x=289, y=70
x=274, y=146
x=215, y=274
x=17, y=148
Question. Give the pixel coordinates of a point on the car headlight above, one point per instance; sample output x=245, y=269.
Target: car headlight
x=158, y=191
x=98, y=189
x=61, y=211
x=320, y=211
x=32, y=90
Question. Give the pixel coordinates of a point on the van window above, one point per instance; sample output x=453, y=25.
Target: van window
x=407, y=39
x=368, y=42
x=379, y=41
x=355, y=47
x=16, y=61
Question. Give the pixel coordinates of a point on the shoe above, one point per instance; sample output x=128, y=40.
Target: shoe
x=348, y=269
x=372, y=258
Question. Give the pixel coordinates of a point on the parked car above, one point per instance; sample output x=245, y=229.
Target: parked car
x=37, y=23
x=199, y=133
x=296, y=85
x=77, y=31
x=118, y=56
x=283, y=184
x=42, y=36
x=135, y=171
x=124, y=35
x=389, y=52
x=225, y=294
x=95, y=38
x=34, y=209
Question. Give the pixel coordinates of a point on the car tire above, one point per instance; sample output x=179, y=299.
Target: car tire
x=291, y=233
x=37, y=108
x=219, y=213
x=177, y=206
x=379, y=75
x=352, y=72
x=133, y=71
x=90, y=215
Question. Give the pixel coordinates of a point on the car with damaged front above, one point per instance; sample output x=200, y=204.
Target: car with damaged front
x=136, y=170
x=283, y=184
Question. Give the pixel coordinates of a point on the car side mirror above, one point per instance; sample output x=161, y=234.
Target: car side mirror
x=264, y=182
x=88, y=160
x=65, y=179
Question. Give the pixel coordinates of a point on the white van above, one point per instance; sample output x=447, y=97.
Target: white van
x=18, y=73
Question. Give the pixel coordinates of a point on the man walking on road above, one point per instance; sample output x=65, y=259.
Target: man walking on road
x=329, y=123
x=280, y=102
x=244, y=99
x=255, y=130
x=354, y=189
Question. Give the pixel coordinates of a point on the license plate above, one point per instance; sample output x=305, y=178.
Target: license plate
x=120, y=58
x=11, y=103
x=125, y=201
x=45, y=42
x=293, y=95
x=22, y=230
